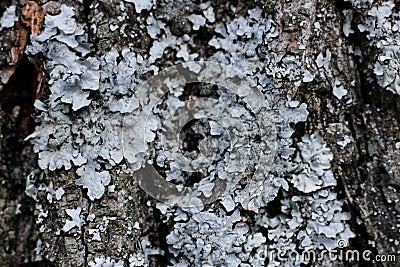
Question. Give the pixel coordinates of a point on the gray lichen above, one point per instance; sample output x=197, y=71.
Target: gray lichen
x=8, y=18
x=141, y=4
x=79, y=128
x=381, y=24
x=76, y=220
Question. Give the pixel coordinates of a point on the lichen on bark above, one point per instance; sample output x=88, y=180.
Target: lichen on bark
x=314, y=52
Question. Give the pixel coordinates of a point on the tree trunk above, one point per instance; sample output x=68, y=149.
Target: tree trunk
x=366, y=167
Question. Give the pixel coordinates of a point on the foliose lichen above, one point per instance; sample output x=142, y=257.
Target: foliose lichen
x=381, y=24
x=80, y=124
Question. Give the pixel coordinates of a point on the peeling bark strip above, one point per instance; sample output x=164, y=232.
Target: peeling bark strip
x=329, y=77
x=32, y=15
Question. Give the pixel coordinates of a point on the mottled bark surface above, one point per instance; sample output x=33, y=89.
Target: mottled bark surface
x=367, y=168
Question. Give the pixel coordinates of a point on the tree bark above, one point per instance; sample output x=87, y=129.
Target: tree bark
x=367, y=168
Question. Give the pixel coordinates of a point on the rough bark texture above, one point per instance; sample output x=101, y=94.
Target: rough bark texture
x=367, y=167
